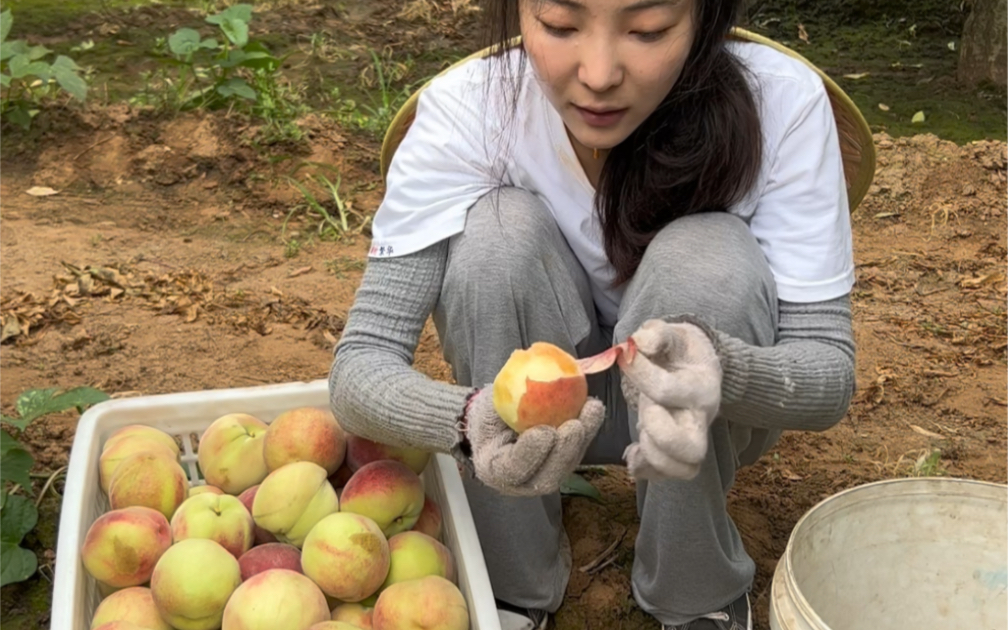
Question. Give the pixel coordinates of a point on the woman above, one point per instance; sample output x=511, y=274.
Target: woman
x=626, y=171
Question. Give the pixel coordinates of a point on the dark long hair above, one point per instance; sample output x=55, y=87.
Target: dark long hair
x=699, y=151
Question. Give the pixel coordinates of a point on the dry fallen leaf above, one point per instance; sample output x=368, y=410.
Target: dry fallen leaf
x=41, y=191
x=790, y=476
x=299, y=272
x=927, y=433
x=857, y=75
x=883, y=107
x=802, y=33
x=989, y=278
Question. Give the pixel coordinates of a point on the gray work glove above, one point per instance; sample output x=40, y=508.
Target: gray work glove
x=674, y=382
x=532, y=463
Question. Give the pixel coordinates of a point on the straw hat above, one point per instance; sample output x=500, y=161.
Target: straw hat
x=856, y=145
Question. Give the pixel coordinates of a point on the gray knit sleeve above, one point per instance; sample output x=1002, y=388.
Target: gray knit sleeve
x=803, y=382
x=374, y=391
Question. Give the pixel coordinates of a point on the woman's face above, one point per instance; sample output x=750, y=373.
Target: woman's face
x=606, y=64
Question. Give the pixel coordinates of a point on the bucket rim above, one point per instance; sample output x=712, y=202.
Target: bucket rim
x=789, y=583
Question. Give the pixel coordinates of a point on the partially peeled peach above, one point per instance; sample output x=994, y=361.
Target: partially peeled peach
x=545, y=385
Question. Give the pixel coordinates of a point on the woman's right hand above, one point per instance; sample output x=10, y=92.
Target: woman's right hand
x=535, y=462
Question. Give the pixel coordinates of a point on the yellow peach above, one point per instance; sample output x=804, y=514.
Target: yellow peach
x=193, y=582
x=353, y=614
x=134, y=605
x=128, y=445
x=292, y=499
x=141, y=431
x=151, y=480
x=542, y=385
x=219, y=517
x=427, y=602
x=347, y=555
x=333, y=625
x=230, y=452
x=204, y=488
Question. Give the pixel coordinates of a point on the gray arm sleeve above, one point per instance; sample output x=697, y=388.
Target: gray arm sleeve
x=374, y=391
x=803, y=382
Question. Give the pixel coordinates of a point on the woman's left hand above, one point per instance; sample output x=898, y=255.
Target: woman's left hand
x=675, y=381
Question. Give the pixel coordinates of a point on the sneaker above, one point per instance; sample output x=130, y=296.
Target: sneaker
x=515, y=618
x=735, y=616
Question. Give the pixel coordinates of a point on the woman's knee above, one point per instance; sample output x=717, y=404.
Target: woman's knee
x=709, y=265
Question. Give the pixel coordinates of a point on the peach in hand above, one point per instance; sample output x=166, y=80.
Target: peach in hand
x=427, y=602
x=230, y=452
x=218, y=517
x=151, y=480
x=134, y=605
x=362, y=451
x=292, y=499
x=347, y=555
x=122, y=547
x=387, y=492
x=308, y=434
x=275, y=599
x=543, y=385
x=193, y=582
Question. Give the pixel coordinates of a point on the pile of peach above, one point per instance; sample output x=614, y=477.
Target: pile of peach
x=300, y=526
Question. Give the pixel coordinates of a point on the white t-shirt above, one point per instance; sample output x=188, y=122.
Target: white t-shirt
x=452, y=155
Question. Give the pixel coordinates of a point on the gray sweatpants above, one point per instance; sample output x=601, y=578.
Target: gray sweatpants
x=511, y=280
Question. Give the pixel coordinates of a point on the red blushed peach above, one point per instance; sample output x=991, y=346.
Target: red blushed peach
x=119, y=625
x=269, y=556
x=362, y=451
x=342, y=475
x=273, y=600
x=387, y=492
x=305, y=434
x=123, y=546
x=261, y=535
x=430, y=519
x=134, y=605
x=540, y=386
x=427, y=602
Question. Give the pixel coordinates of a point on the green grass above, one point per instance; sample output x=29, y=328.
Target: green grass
x=908, y=57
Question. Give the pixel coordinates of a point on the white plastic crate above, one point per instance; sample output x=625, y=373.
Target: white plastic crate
x=75, y=592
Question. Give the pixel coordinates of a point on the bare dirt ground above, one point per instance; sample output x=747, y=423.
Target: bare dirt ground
x=164, y=264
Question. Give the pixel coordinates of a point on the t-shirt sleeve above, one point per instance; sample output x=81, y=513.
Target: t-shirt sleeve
x=443, y=165
x=802, y=218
